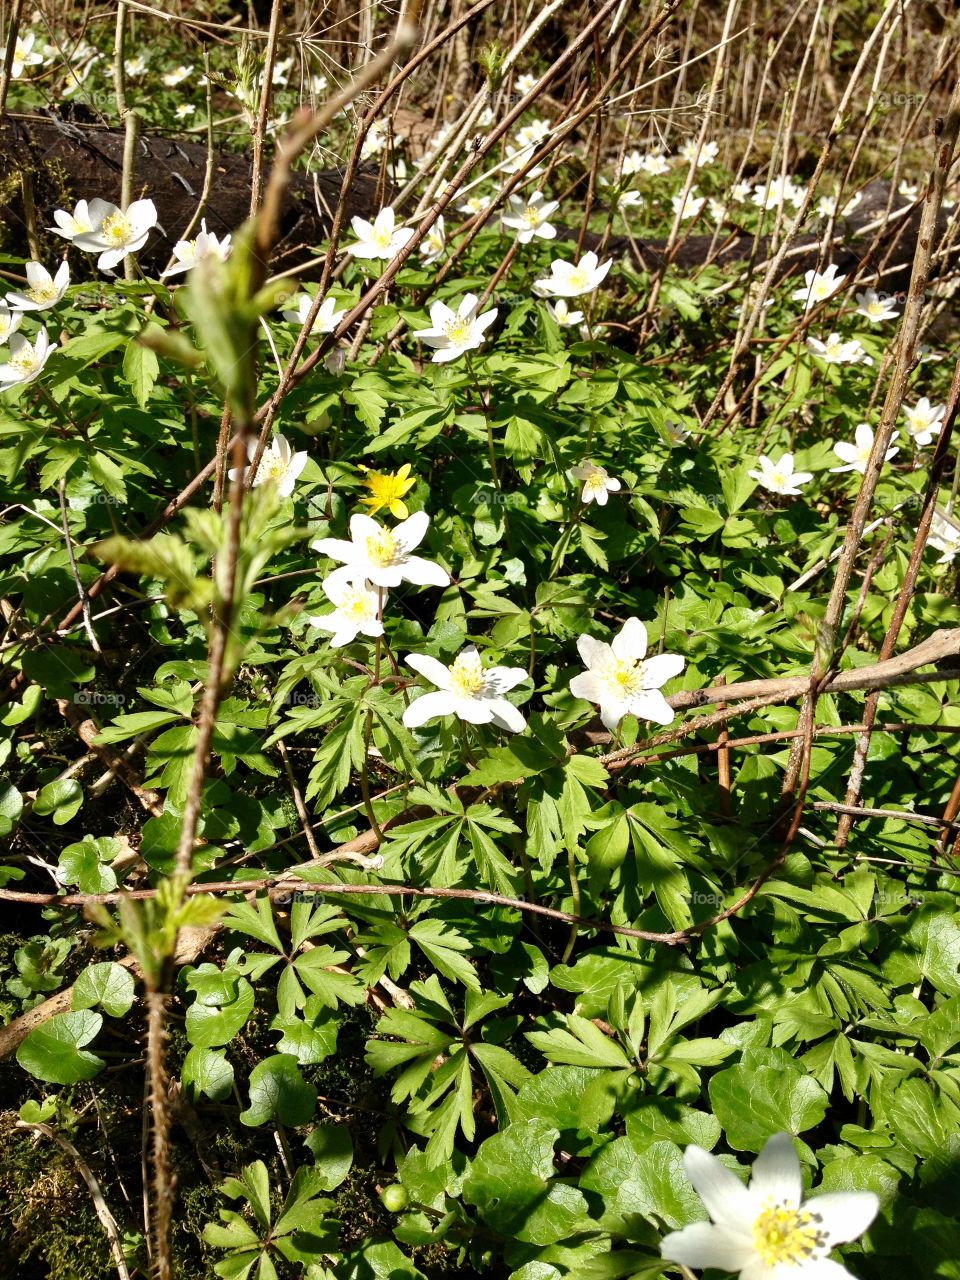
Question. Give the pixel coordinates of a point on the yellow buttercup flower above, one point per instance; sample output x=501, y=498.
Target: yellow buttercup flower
x=387, y=489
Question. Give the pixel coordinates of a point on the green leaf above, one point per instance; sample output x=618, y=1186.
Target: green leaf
x=580, y=1044
x=108, y=985
x=332, y=1149
x=81, y=864
x=59, y=800
x=55, y=1050
x=141, y=367
x=279, y=1092
x=765, y=1093
x=207, y=1071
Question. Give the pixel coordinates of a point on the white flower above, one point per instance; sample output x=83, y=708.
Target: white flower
x=278, y=464
x=769, y=195
x=909, y=190
x=317, y=83
x=71, y=225
x=116, y=232
x=434, y=242
x=674, y=432
x=944, y=536
x=856, y=456
x=923, y=420
x=515, y=158
x=44, y=289
x=184, y=110
x=380, y=239
x=452, y=333
x=690, y=207
x=281, y=71
x=474, y=204
x=708, y=152
x=206, y=245
x=26, y=359
x=562, y=313
x=717, y=209
x=740, y=192
x=24, y=55
x=10, y=322
x=829, y=206
x=328, y=317
x=779, y=476
x=532, y=134
x=621, y=680
x=596, y=483
x=653, y=163
x=525, y=82
x=569, y=280
x=485, y=118
x=375, y=141
x=836, y=351
x=766, y=1231
x=529, y=217
x=818, y=285
x=382, y=556
x=172, y=78
x=136, y=66
x=466, y=690
x=358, y=610
x=875, y=306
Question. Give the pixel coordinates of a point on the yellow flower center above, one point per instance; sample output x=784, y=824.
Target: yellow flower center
x=834, y=349
x=595, y=482
x=782, y=1234
x=117, y=229
x=383, y=240
x=531, y=216
x=25, y=361
x=357, y=605
x=272, y=467
x=46, y=292
x=466, y=675
x=820, y=290
x=458, y=330
x=578, y=279
x=624, y=678
x=778, y=480
x=381, y=548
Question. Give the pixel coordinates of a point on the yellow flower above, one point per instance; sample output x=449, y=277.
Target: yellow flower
x=387, y=490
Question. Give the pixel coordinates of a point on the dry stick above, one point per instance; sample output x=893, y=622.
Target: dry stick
x=774, y=267
x=131, y=123
x=904, y=597
x=263, y=108
x=107, y=1220
x=74, y=572
x=946, y=134
x=12, y=34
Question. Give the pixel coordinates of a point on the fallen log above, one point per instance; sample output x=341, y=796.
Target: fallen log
x=47, y=163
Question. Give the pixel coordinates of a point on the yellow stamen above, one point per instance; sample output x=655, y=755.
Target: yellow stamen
x=466, y=675
x=783, y=1234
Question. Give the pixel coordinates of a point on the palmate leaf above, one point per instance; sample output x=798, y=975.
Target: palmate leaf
x=579, y=1043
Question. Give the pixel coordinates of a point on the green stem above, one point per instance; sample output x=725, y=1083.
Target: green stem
x=575, y=903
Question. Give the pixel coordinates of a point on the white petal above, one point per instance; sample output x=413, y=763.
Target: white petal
x=432, y=669
x=845, y=1215
x=611, y=713
x=776, y=1171
x=705, y=1245
x=593, y=652
x=661, y=668
x=337, y=549
x=652, y=705
x=725, y=1197
x=424, y=573
x=507, y=716
x=503, y=679
x=473, y=710
x=429, y=706
x=631, y=640
x=363, y=527
x=412, y=531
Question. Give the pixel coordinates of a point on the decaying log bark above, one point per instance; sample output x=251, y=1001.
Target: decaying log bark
x=67, y=162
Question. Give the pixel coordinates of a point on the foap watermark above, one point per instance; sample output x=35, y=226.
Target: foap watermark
x=494, y=498
x=98, y=698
